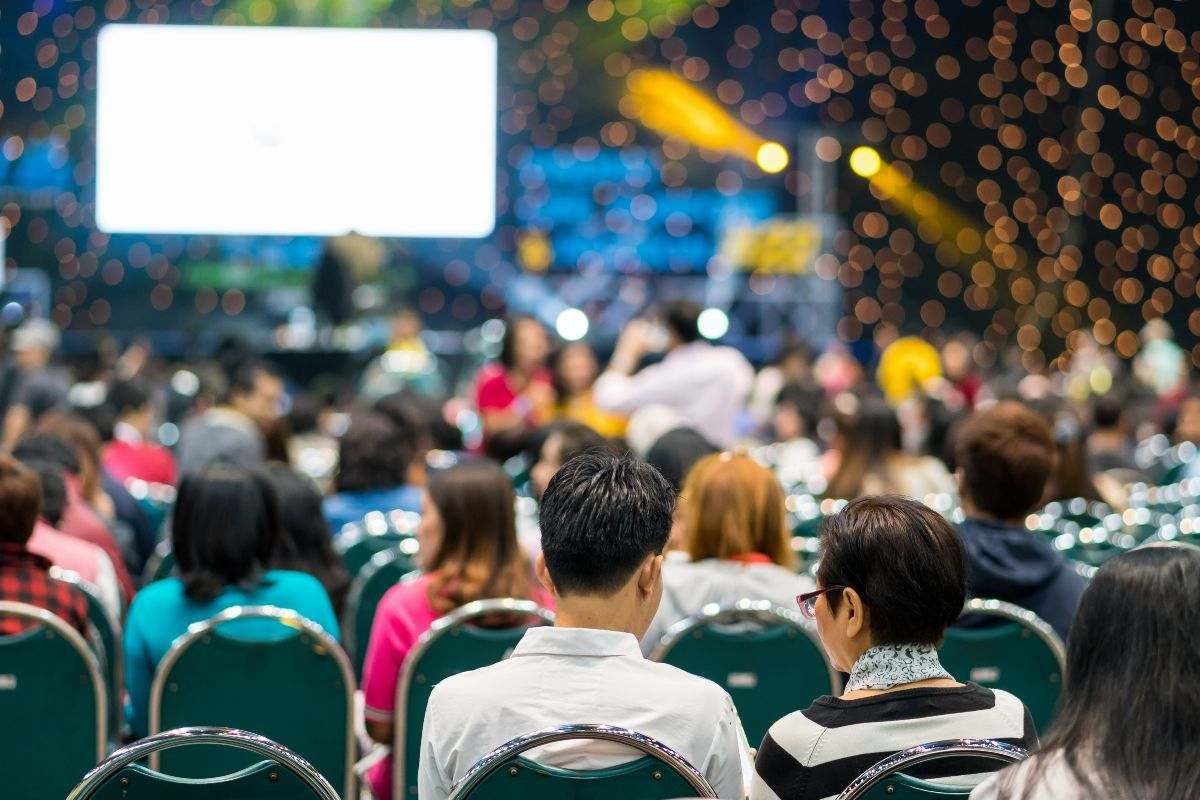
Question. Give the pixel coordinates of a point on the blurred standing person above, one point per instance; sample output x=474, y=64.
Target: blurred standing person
x=575, y=372
x=515, y=394
x=39, y=385
x=133, y=453
x=406, y=364
x=708, y=385
x=231, y=434
x=958, y=366
x=793, y=365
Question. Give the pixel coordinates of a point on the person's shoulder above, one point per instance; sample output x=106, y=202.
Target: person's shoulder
x=796, y=733
x=405, y=595
x=289, y=580
x=467, y=691
x=690, y=691
x=156, y=597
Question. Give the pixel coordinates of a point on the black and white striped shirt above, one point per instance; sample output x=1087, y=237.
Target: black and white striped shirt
x=815, y=753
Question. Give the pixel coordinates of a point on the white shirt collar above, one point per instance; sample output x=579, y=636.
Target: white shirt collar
x=549, y=641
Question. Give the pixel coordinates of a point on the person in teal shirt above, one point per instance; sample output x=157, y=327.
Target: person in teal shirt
x=225, y=531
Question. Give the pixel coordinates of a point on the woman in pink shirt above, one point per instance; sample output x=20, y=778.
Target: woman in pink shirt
x=469, y=552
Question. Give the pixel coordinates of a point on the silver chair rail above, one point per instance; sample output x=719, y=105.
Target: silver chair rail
x=610, y=733
x=184, y=737
x=922, y=753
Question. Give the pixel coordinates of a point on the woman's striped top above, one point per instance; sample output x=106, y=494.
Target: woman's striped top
x=815, y=753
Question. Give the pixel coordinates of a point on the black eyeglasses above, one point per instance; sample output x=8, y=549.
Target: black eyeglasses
x=808, y=601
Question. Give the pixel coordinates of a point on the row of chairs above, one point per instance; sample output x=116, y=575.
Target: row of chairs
x=299, y=687
x=505, y=774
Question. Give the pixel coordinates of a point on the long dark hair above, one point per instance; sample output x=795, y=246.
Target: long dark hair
x=478, y=556
x=869, y=436
x=1130, y=709
x=224, y=530
x=307, y=545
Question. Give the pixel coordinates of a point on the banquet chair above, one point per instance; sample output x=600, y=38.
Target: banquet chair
x=385, y=569
x=889, y=779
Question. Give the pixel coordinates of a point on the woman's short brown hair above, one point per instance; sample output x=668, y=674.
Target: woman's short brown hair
x=20, y=500
x=732, y=505
x=1005, y=453
x=904, y=560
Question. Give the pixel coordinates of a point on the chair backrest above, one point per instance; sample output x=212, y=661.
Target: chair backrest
x=264, y=669
x=53, y=698
x=385, y=569
x=504, y=775
x=453, y=644
x=766, y=657
x=357, y=543
x=109, y=637
x=161, y=563
x=154, y=500
x=1018, y=652
x=888, y=780
x=280, y=774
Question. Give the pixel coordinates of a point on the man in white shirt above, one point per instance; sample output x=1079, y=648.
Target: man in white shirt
x=708, y=385
x=605, y=521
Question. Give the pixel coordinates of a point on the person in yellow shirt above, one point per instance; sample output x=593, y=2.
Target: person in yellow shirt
x=575, y=371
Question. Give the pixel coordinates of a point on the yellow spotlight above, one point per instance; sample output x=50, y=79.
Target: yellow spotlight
x=771, y=157
x=865, y=161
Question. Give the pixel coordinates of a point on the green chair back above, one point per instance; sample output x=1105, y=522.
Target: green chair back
x=262, y=669
x=109, y=638
x=161, y=563
x=382, y=572
x=357, y=544
x=455, y=643
x=154, y=500
x=1020, y=654
x=769, y=661
x=275, y=774
x=892, y=778
x=505, y=774
x=52, y=699
x=904, y=787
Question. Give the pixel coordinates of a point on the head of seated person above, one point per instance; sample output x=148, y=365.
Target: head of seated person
x=563, y=441
x=732, y=508
x=225, y=530
x=605, y=520
x=1130, y=707
x=1005, y=455
x=893, y=579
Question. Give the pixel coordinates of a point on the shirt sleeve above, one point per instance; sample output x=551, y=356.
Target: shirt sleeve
x=730, y=767
x=388, y=647
x=139, y=672
x=615, y=391
x=433, y=782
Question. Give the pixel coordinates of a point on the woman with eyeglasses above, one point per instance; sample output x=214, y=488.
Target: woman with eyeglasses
x=892, y=578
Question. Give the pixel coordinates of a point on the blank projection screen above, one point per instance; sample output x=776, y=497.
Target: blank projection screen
x=296, y=131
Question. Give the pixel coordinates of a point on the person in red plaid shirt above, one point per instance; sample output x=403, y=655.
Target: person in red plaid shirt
x=25, y=576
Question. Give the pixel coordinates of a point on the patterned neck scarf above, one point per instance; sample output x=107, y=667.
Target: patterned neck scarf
x=891, y=665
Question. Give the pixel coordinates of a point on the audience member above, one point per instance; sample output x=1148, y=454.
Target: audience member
x=734, y=530
x=707, y=384
x=1071, y=475
x=40, y=384
x=516, y=394
x=231, y=434
x=1109, y=446
x=676, y=452
x=793, y=425
x=374, y=456
x=605, y=521
x=133, y=453
x=1005, y=454
x=892, y=578
x=575, y=372
x=25, y=575
x=85, y=559
x=468, y=551
x=872, y=460
x=78, y=518
x=1129, y=716
x=306, y=544
x=792, y=366
x=225, y=529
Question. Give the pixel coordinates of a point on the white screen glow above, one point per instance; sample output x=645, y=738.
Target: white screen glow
x=296, y=131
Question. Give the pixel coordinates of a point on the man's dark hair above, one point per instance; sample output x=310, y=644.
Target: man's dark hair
x=129, y=395
x=374, y=453
x=1006, y=453
x=683, y=318
x=904, y=560
x=20, y=500
x=601, y=516
x=1107, y=411
x=575, y=438
x=243, y=377
x=676, y=452
x=54, y=489
x=49, y=449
